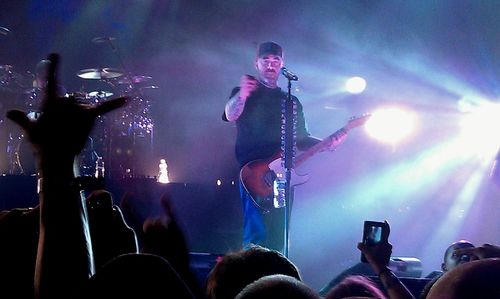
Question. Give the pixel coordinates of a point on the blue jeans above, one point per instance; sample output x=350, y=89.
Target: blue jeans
x=265, y=229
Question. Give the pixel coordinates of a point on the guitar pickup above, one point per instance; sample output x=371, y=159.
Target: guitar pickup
x=269, y=178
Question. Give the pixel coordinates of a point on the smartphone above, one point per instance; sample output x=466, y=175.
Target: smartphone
x=374, y=233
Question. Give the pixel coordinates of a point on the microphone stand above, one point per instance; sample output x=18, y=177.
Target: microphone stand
x=289, y=144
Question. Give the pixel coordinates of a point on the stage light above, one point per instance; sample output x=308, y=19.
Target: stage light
x=470, y=103
x=355, y=85
x=391, y=125
x=219, y=182
x=163, y=172
x=464, y=105
x=479, y=130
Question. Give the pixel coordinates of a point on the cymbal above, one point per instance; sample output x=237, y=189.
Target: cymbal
x=102, y=39
x=4, y=31
x=99, y=73
x=134, y=80
x=100, y=94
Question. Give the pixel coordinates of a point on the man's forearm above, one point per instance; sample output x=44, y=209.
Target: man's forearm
x=234, y=108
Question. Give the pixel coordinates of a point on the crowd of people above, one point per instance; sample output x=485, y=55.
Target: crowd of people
x=77, y=246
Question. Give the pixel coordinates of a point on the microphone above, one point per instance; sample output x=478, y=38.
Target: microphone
x=289, y=75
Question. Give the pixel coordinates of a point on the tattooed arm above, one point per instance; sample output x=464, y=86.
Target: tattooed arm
x=236, y=104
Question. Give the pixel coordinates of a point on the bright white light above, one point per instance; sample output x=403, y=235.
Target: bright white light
x=479, y=130
x=470, y=103
x=464, y=105
x=219, y=182
x=355, y=85
x=163, y=172
x=390, y=125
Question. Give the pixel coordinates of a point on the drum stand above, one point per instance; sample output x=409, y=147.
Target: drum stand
x=140, y=126
x=13, y=154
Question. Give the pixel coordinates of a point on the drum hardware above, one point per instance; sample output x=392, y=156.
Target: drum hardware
x=149, y=87
x=99, y=168
x=90, y=161
x=80, y=96
x=21, y=156
x=25, y=96
x=6, y=67
x=129, y=129
x=134, y=79
x=124, y=131
x=100, y=94
x=6, y=74
x=13, y=80
x=102, y=39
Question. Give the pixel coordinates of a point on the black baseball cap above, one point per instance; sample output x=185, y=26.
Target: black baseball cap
x=270, y=48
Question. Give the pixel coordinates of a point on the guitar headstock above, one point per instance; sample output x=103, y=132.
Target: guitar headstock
x=357, y=121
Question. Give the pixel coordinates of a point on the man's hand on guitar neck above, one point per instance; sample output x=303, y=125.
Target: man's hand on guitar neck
x=336, y=139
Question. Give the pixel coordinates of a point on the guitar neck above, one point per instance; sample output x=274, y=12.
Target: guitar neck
x=318, y=147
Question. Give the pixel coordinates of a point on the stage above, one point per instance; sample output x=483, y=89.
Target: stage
x=209, y=215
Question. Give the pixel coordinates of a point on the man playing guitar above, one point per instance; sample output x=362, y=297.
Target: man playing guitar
x=256, y=107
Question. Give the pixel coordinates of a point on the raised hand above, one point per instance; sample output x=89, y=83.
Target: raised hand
x=64, y=259
x=378, y=256
x=63, y=128
x=164, y=237
x=247, y=85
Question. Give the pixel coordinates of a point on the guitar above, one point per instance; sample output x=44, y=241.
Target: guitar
x=262, y=178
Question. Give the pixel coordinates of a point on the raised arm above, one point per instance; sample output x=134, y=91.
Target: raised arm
x=236, y=104
x=64, y=259
x=378, y=256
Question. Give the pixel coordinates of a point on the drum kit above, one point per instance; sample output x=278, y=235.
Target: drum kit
x=115, y=136
x=119, y=138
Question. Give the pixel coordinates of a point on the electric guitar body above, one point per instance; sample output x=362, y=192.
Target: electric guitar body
x=259, y=177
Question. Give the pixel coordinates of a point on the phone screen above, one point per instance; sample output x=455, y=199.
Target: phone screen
x=373, y=235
